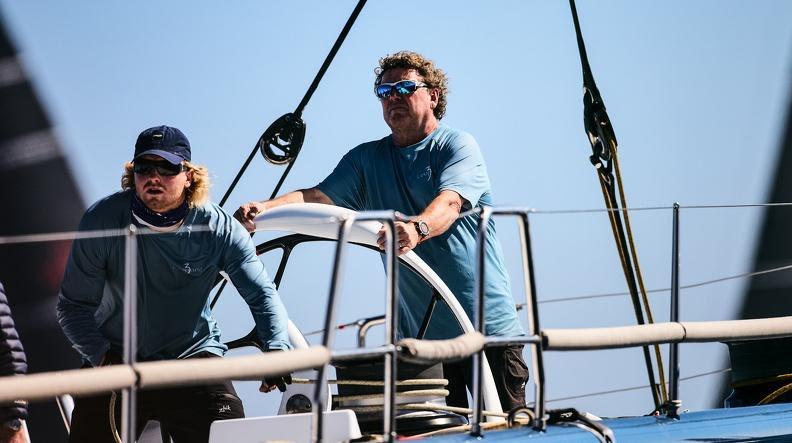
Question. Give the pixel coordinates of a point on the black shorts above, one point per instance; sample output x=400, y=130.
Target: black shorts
x=508, y=369
x=186, y=412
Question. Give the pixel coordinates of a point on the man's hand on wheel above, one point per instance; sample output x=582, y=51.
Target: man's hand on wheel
x=247, y=213
x=270, y=383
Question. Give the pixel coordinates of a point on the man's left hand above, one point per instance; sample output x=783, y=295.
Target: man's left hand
x=406, y=235
x=270, y=383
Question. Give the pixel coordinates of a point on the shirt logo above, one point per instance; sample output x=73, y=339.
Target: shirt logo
x=189, y=269
x=224, y=408
x=426, y=174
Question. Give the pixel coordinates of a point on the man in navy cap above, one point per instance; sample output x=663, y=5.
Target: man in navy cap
x=186, y=241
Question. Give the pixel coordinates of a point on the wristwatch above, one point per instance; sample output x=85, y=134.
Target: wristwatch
x=422, y=228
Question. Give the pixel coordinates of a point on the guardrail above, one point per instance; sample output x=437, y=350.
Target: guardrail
x=132, y=375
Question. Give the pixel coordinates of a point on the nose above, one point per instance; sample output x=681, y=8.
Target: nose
x=153, y=176
x=393, y=97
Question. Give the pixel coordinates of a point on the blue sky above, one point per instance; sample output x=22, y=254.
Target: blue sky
x=696, y=92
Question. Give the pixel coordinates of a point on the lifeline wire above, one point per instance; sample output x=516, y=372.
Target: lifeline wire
x=635, y=388
x=689, y=286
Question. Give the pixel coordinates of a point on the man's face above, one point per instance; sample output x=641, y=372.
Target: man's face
x=161, y=193
x=403, y=112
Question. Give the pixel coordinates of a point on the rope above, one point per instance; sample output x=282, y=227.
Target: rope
x=427, y=407
x=638, y=274
x=111, y=410
x=759, y=381
x=414, y=393
x=777, y=393
x=607, y=185
x=410, y=382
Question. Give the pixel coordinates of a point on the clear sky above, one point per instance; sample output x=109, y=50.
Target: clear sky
x=696, y=91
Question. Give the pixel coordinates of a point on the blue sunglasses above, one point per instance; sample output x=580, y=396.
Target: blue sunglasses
x=402, y=88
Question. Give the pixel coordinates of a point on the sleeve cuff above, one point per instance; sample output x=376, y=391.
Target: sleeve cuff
x=96, y=358
x=278, y=346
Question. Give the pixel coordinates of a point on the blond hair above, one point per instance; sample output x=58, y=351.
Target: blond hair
x=433, y=76
x=197, y=192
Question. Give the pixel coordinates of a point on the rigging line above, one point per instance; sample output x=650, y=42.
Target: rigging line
x=634, y=388
x=638, y=274
x=625, y=256
x=329, y=58
x=746, y=205
x=659, y=208
x=650, y=291
x=603, y=142
x=290, y=127
x=617, y=294
x=598, y=210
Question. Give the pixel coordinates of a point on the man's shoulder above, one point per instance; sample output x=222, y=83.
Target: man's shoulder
x=215, y=217
x=453, y=140
x=447, y=135
x=109, y=211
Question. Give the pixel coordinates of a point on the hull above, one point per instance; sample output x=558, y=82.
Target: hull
x=771, y=423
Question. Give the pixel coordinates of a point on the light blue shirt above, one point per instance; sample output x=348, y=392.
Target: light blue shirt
x=379, y=175
x=176, y=272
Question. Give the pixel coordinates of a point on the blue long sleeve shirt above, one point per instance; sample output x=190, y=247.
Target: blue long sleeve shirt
x=176, y=272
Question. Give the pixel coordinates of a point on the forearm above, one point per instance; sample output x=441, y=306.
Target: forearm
x=250, y=278
x=441, y=213
x=80, y=328
x=267, y=309
x=311, y=195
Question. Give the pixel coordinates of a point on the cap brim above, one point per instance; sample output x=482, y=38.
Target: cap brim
x=169, y=156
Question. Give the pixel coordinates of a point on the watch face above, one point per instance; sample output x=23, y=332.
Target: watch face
x=423, y=228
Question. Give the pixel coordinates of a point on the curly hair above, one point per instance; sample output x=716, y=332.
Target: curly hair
x=433, y=76
x=197, y=192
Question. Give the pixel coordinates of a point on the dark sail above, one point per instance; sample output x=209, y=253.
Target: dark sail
x=770, y=295
x=37, y=195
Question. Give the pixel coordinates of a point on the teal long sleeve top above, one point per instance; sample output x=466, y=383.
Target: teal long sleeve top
x=176, y=272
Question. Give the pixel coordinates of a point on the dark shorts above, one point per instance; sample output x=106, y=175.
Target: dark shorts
x=508, y=369
x=186, y=413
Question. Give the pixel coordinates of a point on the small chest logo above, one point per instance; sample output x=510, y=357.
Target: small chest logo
x=188, y=268
x=426, y=174
x=224, y=408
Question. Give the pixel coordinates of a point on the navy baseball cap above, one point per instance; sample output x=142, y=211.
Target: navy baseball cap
x=164, y=141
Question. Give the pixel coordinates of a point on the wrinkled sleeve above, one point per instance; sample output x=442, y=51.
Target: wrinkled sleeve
x=249, y=276
x=12, y=358
x=462, y=169
x=81, y=293
x=345, y=185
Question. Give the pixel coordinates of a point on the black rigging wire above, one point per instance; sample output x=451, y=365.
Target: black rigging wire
x=604, y=158
x=283, y=139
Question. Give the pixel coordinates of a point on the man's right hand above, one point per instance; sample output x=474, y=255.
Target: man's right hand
x=247, y=213
x=111, y=358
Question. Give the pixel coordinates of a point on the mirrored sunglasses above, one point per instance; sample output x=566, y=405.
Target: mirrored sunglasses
x=402, y=88
x=164, y=169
